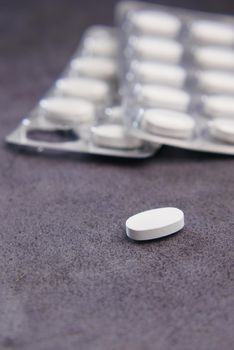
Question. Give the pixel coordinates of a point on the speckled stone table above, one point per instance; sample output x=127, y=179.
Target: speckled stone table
x=70, y=279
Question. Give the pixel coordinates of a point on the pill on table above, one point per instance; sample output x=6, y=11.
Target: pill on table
x=154, y=223
x=165, y=50
x=219, y=106
x=156, y=22
x=68, y=110
x=114, y=136
x=168, y=123
x=163, y=96
x=211, y=57
x=90, y=89
x=148, y=72
x=95, y=67
x=101, y=46
x=211, y=32
x=222, y=129
x=216, y=81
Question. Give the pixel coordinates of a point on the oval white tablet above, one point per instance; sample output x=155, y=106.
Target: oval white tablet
x=163, y=96
x=101, y=46
x=95, y=67
x=156, y=22
x=90, y=89
x=165, y=50
x=100, y=32
x=219, y=106
x=148, y=72
x=211, y=57
x=168, y=123
x=154, y=223
x=68, y=110
x=211, y=32
x=114, y=114
x=222, y=129
x=114, y=136
x=216, y=81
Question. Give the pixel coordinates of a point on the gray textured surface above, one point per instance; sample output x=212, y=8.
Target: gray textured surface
x=70, y=279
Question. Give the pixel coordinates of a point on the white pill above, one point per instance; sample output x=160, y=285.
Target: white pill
x=165, y=50
x=114, y=136
x=101, y=46
x=211, y=57
x=148, y=72
x=210, y=32
x=163, y=96
x=168, y=123
x=114, y=114
x=222, y=129
x=216, y=81
x=154, y=223
x=156, y=22
x=219, y=106
x=95, y=67
x=68, y=110
x=90, y=89
x=100, y=32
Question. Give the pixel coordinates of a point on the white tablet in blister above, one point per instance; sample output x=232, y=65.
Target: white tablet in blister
x=156, y=22
x=149, y=72
x=211, y=32
x=219, y=106
x=114, y=114
x=114, y=136
x=101, y=46
x=212, y=81
x=168, y=123
x=214, y=58
x=165, y=50
x=95, y=67
x=163, y=96
x=90, y=89
x=68, y=110
x=222, y=129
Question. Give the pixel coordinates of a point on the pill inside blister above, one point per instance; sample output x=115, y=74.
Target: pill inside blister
x=114, y=114
x=210, y=32
x=114, y=136
x=222, y=129
x=165, y=50
x=148, y=72
x=95, y=67
x=211, y=57
x=163, y=96
x=168, y=123
x=68, y=110
x=219, y=106
x=101, y=46
x=216, y=81
x=100, y=32
x=156, y=22
x=90, y=89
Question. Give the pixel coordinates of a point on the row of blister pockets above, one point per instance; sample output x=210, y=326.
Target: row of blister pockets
x=178, y=77
x=85, y=100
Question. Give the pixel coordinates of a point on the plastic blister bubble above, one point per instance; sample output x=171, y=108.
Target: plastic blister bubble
x=177, y=75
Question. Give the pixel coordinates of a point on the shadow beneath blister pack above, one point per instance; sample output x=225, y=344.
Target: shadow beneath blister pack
x=164, y=155
x=183, y=155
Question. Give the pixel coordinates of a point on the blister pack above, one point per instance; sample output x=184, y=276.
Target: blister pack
x=178, y=76
x=82, y=112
